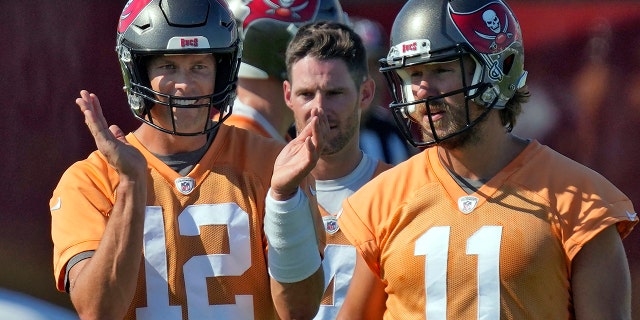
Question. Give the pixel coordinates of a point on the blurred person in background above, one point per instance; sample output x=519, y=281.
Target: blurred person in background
x=379, y=136
x=605, y=144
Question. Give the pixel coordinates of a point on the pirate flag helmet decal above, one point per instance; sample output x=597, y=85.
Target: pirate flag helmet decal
x=491, y=30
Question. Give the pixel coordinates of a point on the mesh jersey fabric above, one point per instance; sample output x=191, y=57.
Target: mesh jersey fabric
x=522, y=229
x=340, y=255
x=210, y=242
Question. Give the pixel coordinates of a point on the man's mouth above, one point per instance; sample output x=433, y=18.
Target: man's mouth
x=184, y=102
x=434, y=116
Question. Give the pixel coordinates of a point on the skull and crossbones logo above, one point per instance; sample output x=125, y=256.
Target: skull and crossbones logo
x=284, y=8
x=492, y=21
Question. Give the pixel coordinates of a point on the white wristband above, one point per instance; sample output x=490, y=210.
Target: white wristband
x=293, y=246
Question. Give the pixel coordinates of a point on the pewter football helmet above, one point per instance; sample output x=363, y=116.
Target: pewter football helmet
x=159, y=27
x=427, y=31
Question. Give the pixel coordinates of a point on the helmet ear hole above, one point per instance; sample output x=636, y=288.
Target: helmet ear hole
x=508, y=63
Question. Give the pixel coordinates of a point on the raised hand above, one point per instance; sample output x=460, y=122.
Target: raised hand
x=299, y=157
x=104, y=285
x=111, y=141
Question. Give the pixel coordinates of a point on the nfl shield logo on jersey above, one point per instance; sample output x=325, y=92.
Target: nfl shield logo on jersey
x=330, y=224
x=185, y=185
x=467, y=204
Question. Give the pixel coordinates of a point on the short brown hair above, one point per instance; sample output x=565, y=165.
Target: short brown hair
x=327, y=40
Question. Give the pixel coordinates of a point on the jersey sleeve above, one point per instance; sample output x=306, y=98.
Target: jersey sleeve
x=365, y=213
x=584, y=202
x=369, y=209
x=80, y=205
x=601, y=206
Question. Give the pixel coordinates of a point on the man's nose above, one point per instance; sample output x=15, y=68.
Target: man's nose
x=182, y=80
x=319, y=101
x=424, y=89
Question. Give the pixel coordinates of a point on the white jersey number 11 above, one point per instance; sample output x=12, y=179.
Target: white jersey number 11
x=485, y=243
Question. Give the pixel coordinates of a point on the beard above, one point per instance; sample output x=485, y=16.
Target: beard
x=344, y=135
x=453, y=129
x=461, y=139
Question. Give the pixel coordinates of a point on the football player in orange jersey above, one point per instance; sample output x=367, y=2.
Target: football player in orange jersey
x=327, y=67
x=482, y=224
x=168, y=222
x=266, y=31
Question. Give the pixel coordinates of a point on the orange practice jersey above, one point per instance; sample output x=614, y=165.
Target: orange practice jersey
x=504, y=251
x=339, y=260
x=204, y=246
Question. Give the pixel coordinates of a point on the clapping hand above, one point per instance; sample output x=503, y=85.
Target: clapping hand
x=110, y=140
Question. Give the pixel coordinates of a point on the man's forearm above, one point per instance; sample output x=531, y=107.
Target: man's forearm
x=103, y=286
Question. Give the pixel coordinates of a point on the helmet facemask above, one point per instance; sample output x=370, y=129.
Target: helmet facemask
x=212, y=30
x=408, y=111
x=443, y=31
x=142, y=98
x=152, y=98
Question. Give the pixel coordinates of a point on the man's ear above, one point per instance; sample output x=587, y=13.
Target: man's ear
x=286, y=88
x=367, y=92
